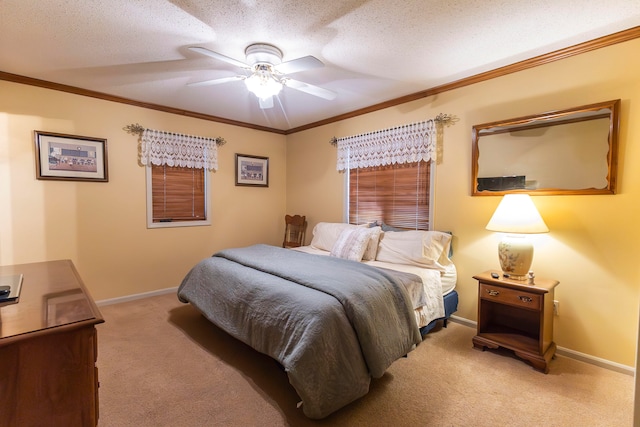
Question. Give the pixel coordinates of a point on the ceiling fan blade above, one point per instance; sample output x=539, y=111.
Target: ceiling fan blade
x=297, y=65
x=216, y=81
x=219, y=56
x=310, y=89
x=266, y=102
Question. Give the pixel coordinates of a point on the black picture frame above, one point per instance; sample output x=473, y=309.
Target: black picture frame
x=252, y=171
x=64, y=157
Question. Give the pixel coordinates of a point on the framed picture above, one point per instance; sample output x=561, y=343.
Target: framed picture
x=252, y=170
x=70, y=158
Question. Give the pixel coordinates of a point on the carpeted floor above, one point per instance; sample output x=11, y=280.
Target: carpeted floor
x=163, y=364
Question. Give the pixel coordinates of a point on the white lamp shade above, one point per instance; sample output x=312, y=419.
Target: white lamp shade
x=516, y=213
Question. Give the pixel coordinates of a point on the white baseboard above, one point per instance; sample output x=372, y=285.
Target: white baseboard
x=135, y=296
x=603, y=363
x=561, y=351
x=463, y=321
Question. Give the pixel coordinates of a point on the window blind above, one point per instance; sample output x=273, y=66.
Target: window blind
x=397, y=195
x=178, y=193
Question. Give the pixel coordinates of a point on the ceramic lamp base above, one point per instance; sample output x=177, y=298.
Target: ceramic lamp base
x=516, y=254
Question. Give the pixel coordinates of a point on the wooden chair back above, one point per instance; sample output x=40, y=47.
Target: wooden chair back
x=294, y=231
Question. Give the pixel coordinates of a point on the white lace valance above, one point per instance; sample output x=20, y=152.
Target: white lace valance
x=174, y=149
x=404, y=144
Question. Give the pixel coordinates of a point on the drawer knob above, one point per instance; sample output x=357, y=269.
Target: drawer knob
x=493, y=293
x=525, y=298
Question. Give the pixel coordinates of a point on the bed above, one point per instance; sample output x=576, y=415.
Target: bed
x=334, y=318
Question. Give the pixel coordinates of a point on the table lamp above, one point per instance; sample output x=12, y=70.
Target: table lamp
x=517, y=216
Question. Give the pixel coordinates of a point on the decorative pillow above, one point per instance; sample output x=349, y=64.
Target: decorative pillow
x=351, y=244
x=325, y=234
x=372, y=247
x=428, y=249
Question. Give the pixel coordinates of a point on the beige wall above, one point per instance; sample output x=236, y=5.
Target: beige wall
x=101, y=227
x=593, y=245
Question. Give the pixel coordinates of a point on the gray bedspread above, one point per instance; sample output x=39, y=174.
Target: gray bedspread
x=332, y=323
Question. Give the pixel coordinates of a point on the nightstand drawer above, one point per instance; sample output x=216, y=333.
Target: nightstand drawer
x=510, y=296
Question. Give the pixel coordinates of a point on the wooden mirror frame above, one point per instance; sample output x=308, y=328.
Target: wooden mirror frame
x=600, y=110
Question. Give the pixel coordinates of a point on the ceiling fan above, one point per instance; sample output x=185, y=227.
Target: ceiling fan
x=267, y=73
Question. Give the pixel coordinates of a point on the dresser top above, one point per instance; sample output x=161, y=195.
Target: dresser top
x=52, y=296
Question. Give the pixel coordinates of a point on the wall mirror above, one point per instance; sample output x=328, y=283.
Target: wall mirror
x=571, y=151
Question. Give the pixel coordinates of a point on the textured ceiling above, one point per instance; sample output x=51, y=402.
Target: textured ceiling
x=373, y=51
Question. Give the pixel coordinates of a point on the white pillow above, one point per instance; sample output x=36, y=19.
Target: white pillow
x=428, y=249
x=325, y=234
x=351, y=244
x=372, y=246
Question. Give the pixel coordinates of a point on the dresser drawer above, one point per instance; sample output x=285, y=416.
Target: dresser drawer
x=510, y=296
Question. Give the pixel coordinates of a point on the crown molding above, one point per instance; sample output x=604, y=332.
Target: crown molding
x=557, y=55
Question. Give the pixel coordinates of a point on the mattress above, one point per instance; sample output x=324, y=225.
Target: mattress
x=430, y=278
x=448, y=279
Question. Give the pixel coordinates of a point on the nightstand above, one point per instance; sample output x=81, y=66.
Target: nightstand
x=518, y=316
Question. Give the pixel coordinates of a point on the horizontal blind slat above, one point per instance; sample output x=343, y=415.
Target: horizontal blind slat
x=177, y=193
x=397, y=195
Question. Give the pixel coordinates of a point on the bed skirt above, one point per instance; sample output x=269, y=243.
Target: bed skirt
x=450, y=307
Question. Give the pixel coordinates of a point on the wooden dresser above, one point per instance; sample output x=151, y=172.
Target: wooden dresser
x=48, y=349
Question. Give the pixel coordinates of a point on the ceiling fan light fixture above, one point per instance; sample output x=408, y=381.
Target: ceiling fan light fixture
x=262, y=83
x=268, y=74
x=262, y=53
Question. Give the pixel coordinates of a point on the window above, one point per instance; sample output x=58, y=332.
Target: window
x=176, y=196
x=398, y=195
